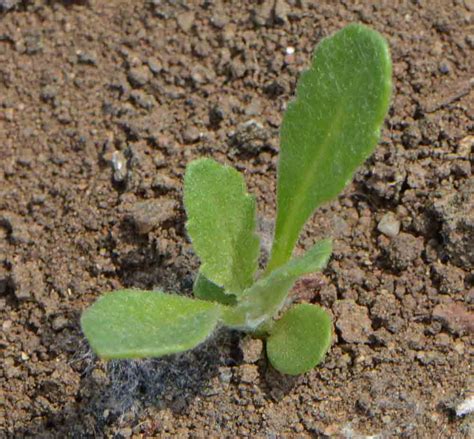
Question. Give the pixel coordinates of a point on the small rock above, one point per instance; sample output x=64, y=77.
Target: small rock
x=18, y=230
x=225, y=374
x=185, y=20
x=455, y=317
x=6, y=5
x=352, y=321
x=280, y=12
x=416, y=177
x=89, y=58
x=386, y=181
x=453, y=211
x=254, y=108
x=404, y=250
x=48, y=93
x=248, y=374
x=27, y=281
x=262, y=14
x=328, y=295
x=149, y=214
x=155, y=65
x=249, y=137
x=465, y=407
x=142, y=99
x=163, y=183
x=411, y=136
x=219, y=19
x=59, y=323
x=444, y=67
x=449, y=278
x=191, y=135
x=251, y=349
x=389, y=225
x=119, y=165
x=139, y=76
x=125, y=432
x=461, y=168
x=430, y=357
x=216, y=116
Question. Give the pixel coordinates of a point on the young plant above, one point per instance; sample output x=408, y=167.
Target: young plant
x=331, y=127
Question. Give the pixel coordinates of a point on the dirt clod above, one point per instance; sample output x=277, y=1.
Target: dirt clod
x=353, y=321
x=403, y=250
x=149, y=214
x=456, y=317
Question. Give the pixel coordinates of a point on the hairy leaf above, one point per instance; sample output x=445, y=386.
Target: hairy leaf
x=221, y=224
x=139, y=324
x=266, y=297
x=300, y=339
x=206, y=290
x=330, y=128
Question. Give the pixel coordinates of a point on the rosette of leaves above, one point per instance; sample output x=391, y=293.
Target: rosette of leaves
x=328, y=130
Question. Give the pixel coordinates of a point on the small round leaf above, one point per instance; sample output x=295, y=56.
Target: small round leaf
x=300, y=339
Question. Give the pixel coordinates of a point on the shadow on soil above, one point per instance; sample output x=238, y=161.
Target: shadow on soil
x=119, y=392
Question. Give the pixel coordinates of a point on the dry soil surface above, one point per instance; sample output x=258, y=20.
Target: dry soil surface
x=102, y=105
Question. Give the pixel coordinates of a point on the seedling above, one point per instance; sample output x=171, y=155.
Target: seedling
x=331, y=127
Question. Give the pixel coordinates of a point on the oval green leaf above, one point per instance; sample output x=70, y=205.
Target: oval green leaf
x=300, y=339
x=141, y=324
x=331, y=127
x=221, y=224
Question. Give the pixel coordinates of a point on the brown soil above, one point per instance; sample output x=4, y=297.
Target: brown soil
x=150, y=85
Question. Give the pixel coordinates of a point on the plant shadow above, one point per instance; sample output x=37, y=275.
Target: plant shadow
x=117, y=393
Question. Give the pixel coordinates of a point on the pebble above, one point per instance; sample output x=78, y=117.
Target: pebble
x=466, y=407
x=147, y=215
x=139, y=76
x=155, y=65
x=251, y=348
x=119, y=166
x=191, y=135
x=444, y=67
x=185, y=20
x=163, y=183
x=248, y=374
x=389, y=225
x=142, y=99
x=5, y=5
x=352, y=321
x=18, y=230
x=89, y=58
x=225, y=374
x=59, y=323
x=404, y=250
x=281, y=11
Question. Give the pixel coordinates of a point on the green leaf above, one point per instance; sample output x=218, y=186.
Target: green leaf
x=139, y=324
x=206, y=290
x=331, y=127
x=221, y=224
x=267, y=296
x=300, y=339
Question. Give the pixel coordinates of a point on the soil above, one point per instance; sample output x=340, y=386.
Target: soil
x=102, y=105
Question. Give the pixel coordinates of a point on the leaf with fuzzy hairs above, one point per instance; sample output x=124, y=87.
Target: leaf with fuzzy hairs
x=143, y=324
x=266, y=297
x=300, y=339
x=221, y=224
x=330, y=128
